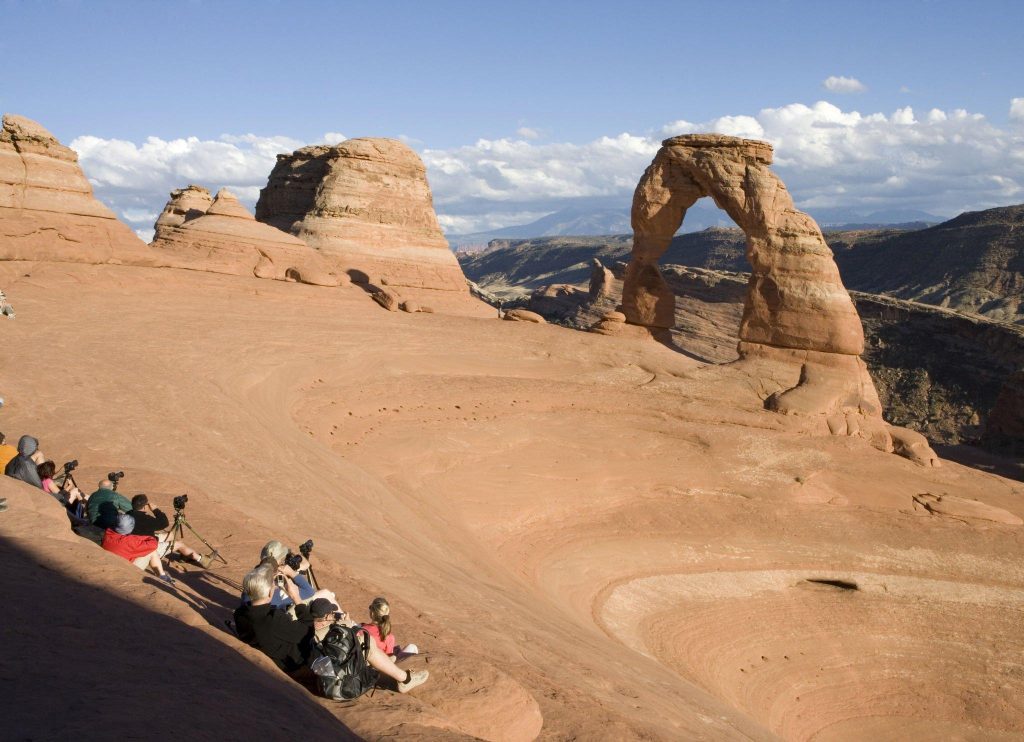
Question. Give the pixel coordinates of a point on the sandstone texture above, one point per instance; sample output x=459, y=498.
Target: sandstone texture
x=227, y=239
x=47, y=208
x=186, y=203
x=523, y=315
x=366, y=206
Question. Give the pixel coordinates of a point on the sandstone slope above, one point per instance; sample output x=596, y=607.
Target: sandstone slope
x=590, y=536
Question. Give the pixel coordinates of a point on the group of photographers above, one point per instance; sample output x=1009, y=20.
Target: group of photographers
x=292, y=622
x=299, y=626
x=131, y=529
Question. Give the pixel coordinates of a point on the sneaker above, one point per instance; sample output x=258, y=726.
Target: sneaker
x=205, y=561
x=166, y=578
x=416, y=677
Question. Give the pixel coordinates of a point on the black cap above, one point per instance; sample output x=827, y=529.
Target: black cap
x=321, y=608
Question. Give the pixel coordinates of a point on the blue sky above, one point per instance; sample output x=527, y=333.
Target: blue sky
x=556, y=76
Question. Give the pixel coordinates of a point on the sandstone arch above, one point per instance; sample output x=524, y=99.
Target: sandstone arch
x=796, y=313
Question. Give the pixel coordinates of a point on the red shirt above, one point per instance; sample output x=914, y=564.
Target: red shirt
x=131, y=546
x=388, y=645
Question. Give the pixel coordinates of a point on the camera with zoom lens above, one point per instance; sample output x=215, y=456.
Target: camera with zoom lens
x=180, y=501
x=294, y=561
x=70, y=466
x=306, y=548
x=115, y=477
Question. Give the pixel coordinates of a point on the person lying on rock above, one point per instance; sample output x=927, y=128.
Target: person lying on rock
x=23, y=466
x=151, y=521
x=139, y=550
x=380, y=629
x=328, y=617
x=105, y=505
x=67, y=497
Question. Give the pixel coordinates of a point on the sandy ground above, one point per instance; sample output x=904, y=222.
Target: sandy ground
x=590, y=537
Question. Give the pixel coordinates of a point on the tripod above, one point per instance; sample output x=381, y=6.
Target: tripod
x=175, y=533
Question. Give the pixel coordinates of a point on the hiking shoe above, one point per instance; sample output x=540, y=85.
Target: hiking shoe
x=166, y=578
x=205, y=561
x=416, y=677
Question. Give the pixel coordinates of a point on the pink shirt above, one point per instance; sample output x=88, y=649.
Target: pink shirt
x=388, y=645
x=47, y=483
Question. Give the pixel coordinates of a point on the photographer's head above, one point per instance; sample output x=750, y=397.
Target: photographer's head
x=106, y=484
x=125, y=524
x=258, y=584
x=46, y=470
x=139, y=502
x=275, y=549
x=325, y=612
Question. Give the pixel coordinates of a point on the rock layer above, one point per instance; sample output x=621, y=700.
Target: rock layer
x=47, y=207
x=365, y=204
x=227, y=239
x=186, y=203
x=796, y=311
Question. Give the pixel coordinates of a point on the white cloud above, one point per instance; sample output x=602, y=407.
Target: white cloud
x=839, y=84
x=1017, y=109
x=527, y=133
x=146, y=235
x=333, y=137
x=943, y=162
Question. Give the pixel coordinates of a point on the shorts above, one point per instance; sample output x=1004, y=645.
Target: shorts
x=143, y=561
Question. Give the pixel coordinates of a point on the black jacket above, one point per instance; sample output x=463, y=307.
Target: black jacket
x=21, y=466
x=148, y=525
x=283, y=639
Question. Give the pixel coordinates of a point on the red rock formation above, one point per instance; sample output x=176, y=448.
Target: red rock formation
x=366, y=206
x=227, y=239
x=186, y=203
x=796, y=314
x=47, y=208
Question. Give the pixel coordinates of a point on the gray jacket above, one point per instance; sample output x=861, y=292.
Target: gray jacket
x=21, y=466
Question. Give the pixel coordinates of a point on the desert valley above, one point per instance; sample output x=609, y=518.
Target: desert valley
x=695, y=520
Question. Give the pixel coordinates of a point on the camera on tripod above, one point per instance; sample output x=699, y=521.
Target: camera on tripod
x=70, y=466
x=306, y=548
x=114, y=477
x=180, y=501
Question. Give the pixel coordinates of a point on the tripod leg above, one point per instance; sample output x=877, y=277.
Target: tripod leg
x=213, y=551
x=312, y=577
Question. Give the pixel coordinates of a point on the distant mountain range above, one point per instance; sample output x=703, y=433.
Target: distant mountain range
x=972, y=263
x=586, y=221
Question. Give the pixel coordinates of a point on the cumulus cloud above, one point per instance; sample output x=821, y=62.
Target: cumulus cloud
x=939, y=161
x=333, y=137
x=840, y=84
x=1017, y=109
x=527, y=133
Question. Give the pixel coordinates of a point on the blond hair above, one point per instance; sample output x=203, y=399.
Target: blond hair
x=380, y=616
x=275, y=549
x=258, y=583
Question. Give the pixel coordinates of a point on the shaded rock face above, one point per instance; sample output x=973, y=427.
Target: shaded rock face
x=365, y=205
x=47, y=207
x=796, y=311
x=186, y=203
x=227, y=239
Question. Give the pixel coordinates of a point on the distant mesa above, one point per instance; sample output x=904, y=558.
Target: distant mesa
x=366, y=206
x=221, y=236
x=796, y=312
x=47, y=207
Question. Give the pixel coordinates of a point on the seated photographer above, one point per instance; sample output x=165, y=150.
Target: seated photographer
x=23, y=466
x=281, y=636
x=326, y=615
x=68, y=497
x=139, y=550
x=105, y=505
x=150, y=521
x=305, y=592
x=380, y=629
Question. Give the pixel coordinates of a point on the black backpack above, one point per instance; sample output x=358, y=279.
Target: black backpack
x=339, y=662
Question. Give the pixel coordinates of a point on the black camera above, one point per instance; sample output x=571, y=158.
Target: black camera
x=294, y=561
x=306, y=548
x=180, y=501
x=70, y=466
x=115, y=477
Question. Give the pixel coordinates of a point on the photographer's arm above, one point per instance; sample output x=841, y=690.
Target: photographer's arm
x=161, y=520
x=291, y=589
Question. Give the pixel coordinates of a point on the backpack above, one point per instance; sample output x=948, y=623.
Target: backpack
x=339, y=662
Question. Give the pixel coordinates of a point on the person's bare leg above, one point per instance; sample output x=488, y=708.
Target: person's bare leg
x=155, y=565
x=186, y=551
x=384, y=664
